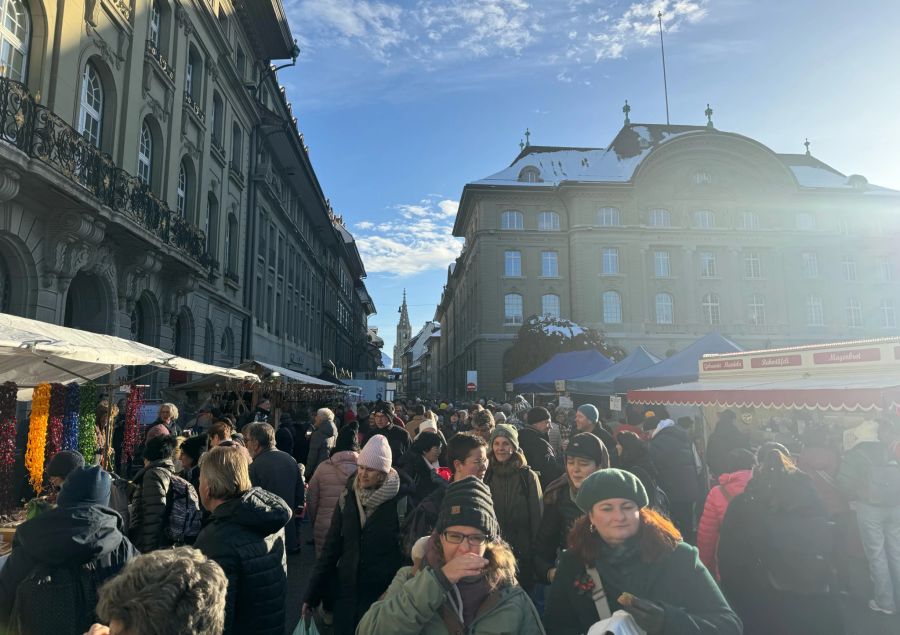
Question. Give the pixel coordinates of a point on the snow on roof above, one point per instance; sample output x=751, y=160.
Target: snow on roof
x=416, y=345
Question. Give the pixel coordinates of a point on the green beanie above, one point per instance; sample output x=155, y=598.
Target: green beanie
x=508, y=431
x=610, y=483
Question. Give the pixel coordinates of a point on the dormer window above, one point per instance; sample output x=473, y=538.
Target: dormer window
x=701, y=177
x=530, y=174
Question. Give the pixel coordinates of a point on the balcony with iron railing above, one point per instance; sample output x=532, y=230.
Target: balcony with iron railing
x=45, y=137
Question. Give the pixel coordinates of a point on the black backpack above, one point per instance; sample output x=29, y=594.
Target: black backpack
x=882, y=484
x=182, y=523
x=57, y=600
x=796, y=552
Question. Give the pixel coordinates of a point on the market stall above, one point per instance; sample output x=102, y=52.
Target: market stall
x=602, y=384
x=562, y=366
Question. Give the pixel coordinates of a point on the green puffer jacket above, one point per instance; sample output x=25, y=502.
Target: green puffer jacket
x=416, y=604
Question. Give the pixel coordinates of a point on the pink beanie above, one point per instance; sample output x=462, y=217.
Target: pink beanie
x=376, y=454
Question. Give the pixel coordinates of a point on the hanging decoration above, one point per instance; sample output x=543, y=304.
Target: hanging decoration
x=55, y=423
x=87, y=434
x=70, y=418
x=37, y=436
x=133, y=406
x=8, y=392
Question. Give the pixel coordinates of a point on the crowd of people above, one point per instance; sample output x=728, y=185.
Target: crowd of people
x=432, y=519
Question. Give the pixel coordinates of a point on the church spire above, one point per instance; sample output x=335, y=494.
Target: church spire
x=404, y=332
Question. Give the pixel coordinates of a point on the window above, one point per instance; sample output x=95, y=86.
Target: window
x=885, y=270
x=661, y=264
x=752, y=265
x=181, y=191
x=530, y=174
x=888, y=317
x=750, y=221
x=240, y=63
x=549, y=264
x=849, y=265
x=810, y=266
x=512, y=264
x=665, y=309
x=512, y=308
x=710, y=309
x=701, y=177
x=155, y=17
x=708, y=268
x=193, y=76
x=854, y=313
x=756, y=313
x=15, y=33
x=550, y=305
x=609, y=263
x=237, y=147
x=814, y=314
x=91, y=110
x=704, y=219
x=612, y=307
x=145, y=154
x=218, y=131
x=511, y=220
x=660, y=218
x=212, y=225
x=608, y=217
x=805, y=221
x=548, y=221
x=209, y=343
x=231, y=244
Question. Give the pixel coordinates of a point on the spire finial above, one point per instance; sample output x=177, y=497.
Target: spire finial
x=527, y=138
x=709, y=113
x=806, y=143
x=626, y=109
x=521, y=145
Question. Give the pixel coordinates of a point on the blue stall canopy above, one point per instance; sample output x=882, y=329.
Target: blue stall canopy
x=602, y=384
x=561, y=366
x=682, y=367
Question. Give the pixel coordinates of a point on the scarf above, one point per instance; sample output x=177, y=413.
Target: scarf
x=368, y=500
x=665, y=423
x=467, y=595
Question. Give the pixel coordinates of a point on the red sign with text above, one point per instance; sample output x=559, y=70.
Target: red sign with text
x=724, y=364
x=848, y=357
x=776, y=361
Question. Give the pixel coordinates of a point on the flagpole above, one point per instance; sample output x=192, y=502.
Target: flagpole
x=662, y=47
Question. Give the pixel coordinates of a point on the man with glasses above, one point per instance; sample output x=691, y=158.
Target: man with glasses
x=383, y=423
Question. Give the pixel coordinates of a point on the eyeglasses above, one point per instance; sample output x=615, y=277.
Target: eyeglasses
x=474, y=540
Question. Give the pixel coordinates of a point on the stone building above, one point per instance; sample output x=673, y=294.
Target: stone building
x=419, y=361
x=669, y=233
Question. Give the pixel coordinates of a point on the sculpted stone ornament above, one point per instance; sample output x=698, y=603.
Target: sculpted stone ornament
x=9, y=184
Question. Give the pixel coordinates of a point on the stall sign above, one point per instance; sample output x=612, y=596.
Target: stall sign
x=847, y=356
x=724, y=364
x=615, y=403
x=776, y=361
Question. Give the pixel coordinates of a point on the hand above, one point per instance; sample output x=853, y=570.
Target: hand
x=551, y=574
x=98, y=629
x=463, y=566
x=650, y=616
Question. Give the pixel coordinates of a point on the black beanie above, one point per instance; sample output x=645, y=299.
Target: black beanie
x=85, y=486
x=63, y=463
x=468, y=503
x=536, y=415
x=194, y=447
x=588, y=446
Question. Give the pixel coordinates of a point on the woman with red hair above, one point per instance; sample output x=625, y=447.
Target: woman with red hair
x=624, y=556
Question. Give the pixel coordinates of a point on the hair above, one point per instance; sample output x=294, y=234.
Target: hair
x=328, y=413
x=461, y=445
x=221, y=429
x=727, y=415
x=172, y=408
x=419, y=410
x=194, y=447
x=160, y=447
x=739, y=459
x=501, y=566
x=426, y=440
x=483, y=419
x=633, y=448
x=347, y=439
x=262, y=433
x=168, y=592
x=767, y=447
x=769, y=476
x=657, y=536
x=226, y=470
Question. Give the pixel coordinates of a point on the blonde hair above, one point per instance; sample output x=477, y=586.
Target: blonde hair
x=172, y=408
x=226, y=471
x=328, y=413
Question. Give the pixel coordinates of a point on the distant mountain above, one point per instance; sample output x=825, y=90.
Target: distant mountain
x=385, y=360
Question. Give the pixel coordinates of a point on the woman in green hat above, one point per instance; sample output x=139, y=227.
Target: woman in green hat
x=624, y=555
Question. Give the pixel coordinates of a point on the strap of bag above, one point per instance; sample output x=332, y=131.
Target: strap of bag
x=726, y=493
x=598, y=594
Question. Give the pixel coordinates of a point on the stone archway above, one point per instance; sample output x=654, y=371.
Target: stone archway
x=88, y=306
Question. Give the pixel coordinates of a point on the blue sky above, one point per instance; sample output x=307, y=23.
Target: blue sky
x=402, y=103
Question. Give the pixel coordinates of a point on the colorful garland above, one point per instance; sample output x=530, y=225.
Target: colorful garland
x=37, y=436
x=133, y=406
x=55, y=423
x=70, y=419
x=87, y=435
x=7, y=444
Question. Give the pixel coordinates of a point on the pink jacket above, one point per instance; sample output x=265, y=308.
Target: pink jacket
x=325, y=487
x=714, y=513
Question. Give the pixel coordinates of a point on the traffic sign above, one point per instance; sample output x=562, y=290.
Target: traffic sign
x=470, y=387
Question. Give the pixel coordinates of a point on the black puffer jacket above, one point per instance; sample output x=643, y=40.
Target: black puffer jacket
x=277, y=472
x=398, y=439
x=672, y=452
x=245, y=537
x=539, y=454
x=62, y=537
x=148, y=514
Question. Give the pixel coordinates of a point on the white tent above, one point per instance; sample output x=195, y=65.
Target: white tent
x=32, y=352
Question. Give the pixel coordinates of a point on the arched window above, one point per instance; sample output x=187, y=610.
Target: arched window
x=5, y=287
x=231, y=244
x=665, y=309
x=550, y=305
x=512, y=308
x=184, y=335
x=704, y=219
x=145, y=154
x=209, y=343
x=612, y=307
x=530, y=174
x=548, y=221
x=660, y=218
x=608, y=217
x=227, y=347
x=218, y=130
x=15, y=31
x=710, y=309
x=155, y=19
x=212, y=224
x=90, y=116
x=237, y=147
x=511, y=220
x=193, y=75
x=181, y=191
x=240, y=63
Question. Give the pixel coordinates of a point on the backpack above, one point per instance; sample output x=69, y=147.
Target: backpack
x=796, y=552
x=882, y=483
x=58, y=600
x=182, y=522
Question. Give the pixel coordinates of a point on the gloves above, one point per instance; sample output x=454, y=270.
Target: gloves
x=650, y=616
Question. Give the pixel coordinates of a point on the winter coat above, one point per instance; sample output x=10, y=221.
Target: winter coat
x=325, y=488
x=714, y=513
x=321, y=441
x=822, y=465
x=61, y=537
x=678, y=581
x=417, y=604
x=424, y=478
x=421, y=520
x=284, y=438
x=857, y=463
x=725, y=438
x=398, y=439
x=672, y=452
x=560, y=513
x=278, y=472
x=364, y=558
x=148, y=515
x=516, y=493
x=245, y=537
x=539, y=454
x=603, y=434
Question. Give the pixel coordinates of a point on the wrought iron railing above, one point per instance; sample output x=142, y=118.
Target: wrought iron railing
x=194, y=107
x=44, y=136
x=161, y=61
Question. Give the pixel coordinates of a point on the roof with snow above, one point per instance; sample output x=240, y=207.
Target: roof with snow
x=417, y=345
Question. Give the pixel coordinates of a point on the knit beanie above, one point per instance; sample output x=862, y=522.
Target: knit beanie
x=194, y=447
x=610, y=483
x=588, y=446
x=62, y=463
x=362, y=412
x=376, y=455
x=468, y=503
x=590, y=411
x=347, y=439
x=428, y=424
x=499, y=417
x=508, y=431
x=85, y=486
x=536, y=415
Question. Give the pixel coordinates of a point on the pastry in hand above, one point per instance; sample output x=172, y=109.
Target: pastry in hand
x=626, y=600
